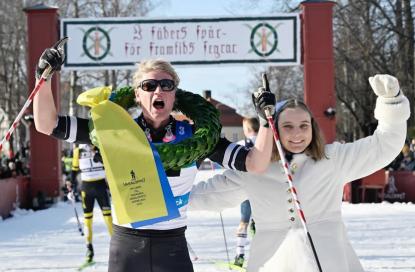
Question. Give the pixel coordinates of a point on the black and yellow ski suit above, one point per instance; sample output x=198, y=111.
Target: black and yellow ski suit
x=93, y=187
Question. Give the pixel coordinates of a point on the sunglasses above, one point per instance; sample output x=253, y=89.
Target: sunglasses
x=150, y=85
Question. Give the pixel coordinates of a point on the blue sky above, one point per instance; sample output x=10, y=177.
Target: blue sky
x=223, y=80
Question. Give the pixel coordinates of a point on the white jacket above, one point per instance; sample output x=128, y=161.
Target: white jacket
x=319, y=188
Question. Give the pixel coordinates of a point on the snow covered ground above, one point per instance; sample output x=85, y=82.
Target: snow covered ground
x=382, y=234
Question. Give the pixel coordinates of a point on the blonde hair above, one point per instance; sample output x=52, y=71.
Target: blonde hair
x=316, y=148
x=406, y=150
x=150, y=65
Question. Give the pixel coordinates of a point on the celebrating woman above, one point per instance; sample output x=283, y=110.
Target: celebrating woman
x=319, y=173
x=159, y=247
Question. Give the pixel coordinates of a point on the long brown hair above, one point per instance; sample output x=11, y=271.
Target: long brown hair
x=315, y=149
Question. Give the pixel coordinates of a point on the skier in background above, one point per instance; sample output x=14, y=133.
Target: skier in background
x=93, y=187
x=250, y=127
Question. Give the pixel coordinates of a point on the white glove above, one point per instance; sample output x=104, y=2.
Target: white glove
x=71, y=196
x=385, y=85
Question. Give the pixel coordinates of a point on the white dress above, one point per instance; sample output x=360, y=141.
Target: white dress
x=319, y=188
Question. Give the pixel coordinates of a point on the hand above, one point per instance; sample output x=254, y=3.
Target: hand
x=97, y=157
x=385, y=85
x=68, y=186
x=264, y=102
x=53, y=57
x=71, y=196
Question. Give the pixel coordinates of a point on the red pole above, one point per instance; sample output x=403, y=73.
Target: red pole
x=45, y=152
x=318, y=60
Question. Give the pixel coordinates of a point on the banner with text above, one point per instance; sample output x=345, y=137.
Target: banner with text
x=119, y=43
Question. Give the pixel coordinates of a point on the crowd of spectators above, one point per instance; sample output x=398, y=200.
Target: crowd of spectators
x=405, y=161
x=15, y=165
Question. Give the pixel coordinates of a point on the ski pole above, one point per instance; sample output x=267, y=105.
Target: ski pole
x=224, y=239
x=268, y=113
x=71, y=198
x=223, y=227
x=45, y=75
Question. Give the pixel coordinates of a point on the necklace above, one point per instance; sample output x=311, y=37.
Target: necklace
x=165, y=134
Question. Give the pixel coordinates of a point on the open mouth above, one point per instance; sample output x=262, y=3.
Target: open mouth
x=158, y=104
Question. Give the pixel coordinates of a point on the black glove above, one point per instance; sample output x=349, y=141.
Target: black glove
x=50, y=57
x=263, y=100
x=97, y=157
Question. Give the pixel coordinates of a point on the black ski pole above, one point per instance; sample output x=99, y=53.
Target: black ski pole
x=71, y=198
x=224, y=239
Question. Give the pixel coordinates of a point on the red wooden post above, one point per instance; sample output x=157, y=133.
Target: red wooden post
x=318, y=60
x=45, y=152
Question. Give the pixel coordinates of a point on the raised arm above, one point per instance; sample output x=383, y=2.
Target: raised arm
x=255, y=160
x=44, y=109
x=365, y=156
x=259, y=156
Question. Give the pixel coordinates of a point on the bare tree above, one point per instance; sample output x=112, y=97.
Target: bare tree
x=79, y=81
x=13, y=76
x=13, y=83
x=375, y=36
x=370, y=37
x=285, y=81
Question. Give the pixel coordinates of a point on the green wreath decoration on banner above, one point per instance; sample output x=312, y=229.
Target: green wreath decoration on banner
x=204, y=115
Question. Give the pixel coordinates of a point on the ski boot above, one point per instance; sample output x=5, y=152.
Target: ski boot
x=89, y=260
x=89, y=253
x=239, y=260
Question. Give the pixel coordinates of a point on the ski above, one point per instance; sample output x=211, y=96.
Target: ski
x=42, y=268
x=56, y=268
x=229, y=266
x=85, y=265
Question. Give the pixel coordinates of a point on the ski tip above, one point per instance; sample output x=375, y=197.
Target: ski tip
x=59, y=44
x=85, y=265
x=265, y=82
x=230, y=266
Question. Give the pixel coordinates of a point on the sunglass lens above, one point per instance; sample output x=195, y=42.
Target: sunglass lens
x=149, y=85
x=167, y=85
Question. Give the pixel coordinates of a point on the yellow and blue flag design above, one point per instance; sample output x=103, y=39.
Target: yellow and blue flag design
x=138, y=183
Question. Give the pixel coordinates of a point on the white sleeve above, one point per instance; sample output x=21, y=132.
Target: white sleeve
x=367, y=155
x=217, y=193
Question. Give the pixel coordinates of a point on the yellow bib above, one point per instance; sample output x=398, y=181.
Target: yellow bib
x=128, y=159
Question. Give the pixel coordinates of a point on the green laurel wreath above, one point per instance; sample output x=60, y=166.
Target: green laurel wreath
x=204, y=115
